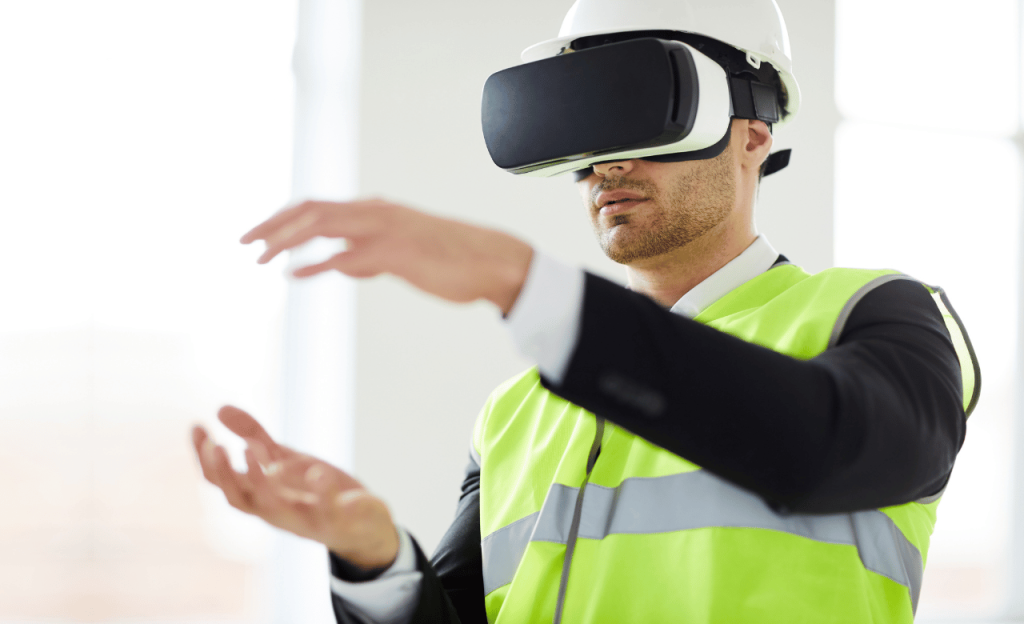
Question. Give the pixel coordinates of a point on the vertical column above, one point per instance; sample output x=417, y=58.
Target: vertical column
x=1015, y=552
x=1015, y=590
x=1015, y=581
x=319, y=334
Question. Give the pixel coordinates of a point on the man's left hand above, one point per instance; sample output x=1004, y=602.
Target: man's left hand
x=453, y=260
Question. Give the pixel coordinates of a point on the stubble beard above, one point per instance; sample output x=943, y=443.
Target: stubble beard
x=688, y=210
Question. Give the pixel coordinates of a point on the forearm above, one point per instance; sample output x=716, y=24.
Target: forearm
x=843, y=431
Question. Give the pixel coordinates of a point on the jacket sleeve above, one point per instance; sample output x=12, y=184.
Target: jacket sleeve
x=453, y=579
x=876, y=420
x=452, y=587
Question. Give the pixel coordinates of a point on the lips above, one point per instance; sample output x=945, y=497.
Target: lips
x=610, y=199
x=620, y=207
x=619, y=202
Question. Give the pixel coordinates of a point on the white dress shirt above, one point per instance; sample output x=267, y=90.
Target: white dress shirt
x=545, y=324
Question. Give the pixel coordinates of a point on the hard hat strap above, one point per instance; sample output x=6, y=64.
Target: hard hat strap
x=776, y=162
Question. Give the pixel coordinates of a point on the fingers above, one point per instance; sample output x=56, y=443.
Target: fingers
x=248, y=428
x=354, y=263
x=300, y=494
x=259, y=494
x=198, y=436
x=236, y=488
x=274, y=222
x=291, y=234
x=200, y=440
x=315, y=269
x=275, y=499
x=260, y=452
x=363, y=258
x=343, y=502
x=257, y=480
x=213, y=459
x=308, y=481
x=291, y=473
x=287, y=472
x=295, y=226
x=268, y=501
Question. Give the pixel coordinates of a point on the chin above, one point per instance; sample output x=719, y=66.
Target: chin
x=622, y=254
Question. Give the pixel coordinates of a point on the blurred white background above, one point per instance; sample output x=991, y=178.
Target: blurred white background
x=139, y=140
x=928, y=179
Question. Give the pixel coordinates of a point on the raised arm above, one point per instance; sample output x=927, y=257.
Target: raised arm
x=875, y=421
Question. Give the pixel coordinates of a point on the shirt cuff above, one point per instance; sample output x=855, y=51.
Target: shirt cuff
x=545, y=319
x=392, y=597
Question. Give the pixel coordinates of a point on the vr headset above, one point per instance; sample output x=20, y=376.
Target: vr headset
x=649, y=97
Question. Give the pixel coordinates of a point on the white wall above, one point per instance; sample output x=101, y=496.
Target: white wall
x=795, y=209
x=425, y=367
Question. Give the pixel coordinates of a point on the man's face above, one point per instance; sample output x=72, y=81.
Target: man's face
x=642, y=209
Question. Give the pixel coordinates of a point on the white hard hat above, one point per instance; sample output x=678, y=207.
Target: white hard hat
x=755, y=27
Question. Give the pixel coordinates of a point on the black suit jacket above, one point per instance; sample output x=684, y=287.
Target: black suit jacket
x=875, y=421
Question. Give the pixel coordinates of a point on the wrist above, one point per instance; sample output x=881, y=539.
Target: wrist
x=512, y=273
x=372, y=556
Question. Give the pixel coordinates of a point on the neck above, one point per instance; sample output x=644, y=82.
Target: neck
x=668, y=277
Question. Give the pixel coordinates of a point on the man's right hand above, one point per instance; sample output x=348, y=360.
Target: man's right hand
x=299, y=493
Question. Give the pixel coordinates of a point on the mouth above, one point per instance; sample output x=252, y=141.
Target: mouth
x=620, y=206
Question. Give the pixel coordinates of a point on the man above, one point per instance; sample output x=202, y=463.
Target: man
x=729, y=439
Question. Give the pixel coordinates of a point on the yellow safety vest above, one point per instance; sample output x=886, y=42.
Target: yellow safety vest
x=660, y=539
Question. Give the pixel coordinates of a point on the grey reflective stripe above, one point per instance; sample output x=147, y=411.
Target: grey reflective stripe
x=844, y=314
x=504, y=549
x=696, y=500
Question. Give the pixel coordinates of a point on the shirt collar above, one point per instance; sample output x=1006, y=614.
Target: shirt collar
x=755, y=260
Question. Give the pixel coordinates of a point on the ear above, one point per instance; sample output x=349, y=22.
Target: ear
x=756, y=144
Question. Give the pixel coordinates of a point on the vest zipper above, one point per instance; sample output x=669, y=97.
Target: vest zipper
x=574, y=528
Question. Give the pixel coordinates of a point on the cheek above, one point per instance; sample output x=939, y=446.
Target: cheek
x=584, y=187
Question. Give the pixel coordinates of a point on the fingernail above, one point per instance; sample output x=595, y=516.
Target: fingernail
x=273, y=469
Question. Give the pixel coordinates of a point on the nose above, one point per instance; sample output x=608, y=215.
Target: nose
x=614, y=167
